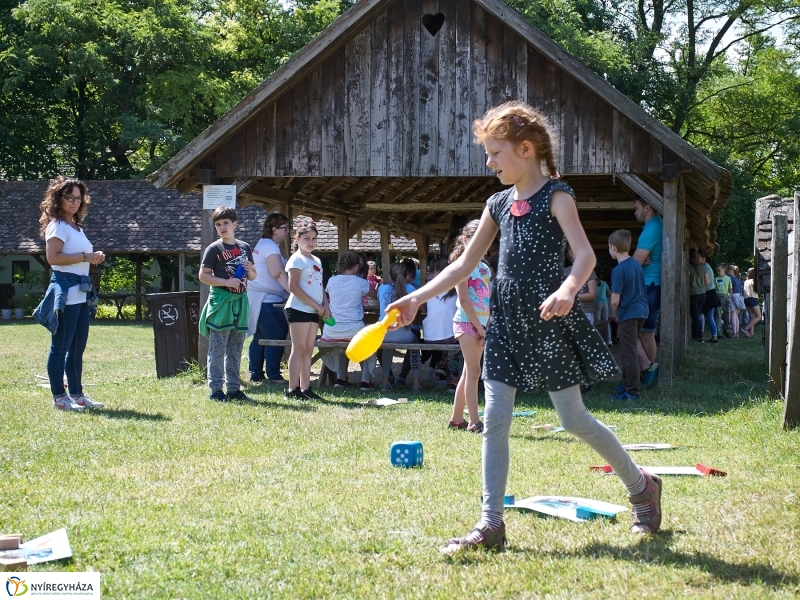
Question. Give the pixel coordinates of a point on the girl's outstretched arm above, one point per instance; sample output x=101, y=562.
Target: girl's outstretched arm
x=566, y=213
x=452, y=275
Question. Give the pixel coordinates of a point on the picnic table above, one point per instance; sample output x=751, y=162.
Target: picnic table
x=119, y=300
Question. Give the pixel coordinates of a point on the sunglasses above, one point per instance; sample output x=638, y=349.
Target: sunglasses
x=70, y=198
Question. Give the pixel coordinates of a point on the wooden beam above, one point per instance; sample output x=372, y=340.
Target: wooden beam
x=358, y=225
x=425, y=206
x=777, y=308
x=605, y=206
x=791, y=407
x=639, y=187
x=386, y=259
x=343, y=235
x=330, y=185
x=671, y=253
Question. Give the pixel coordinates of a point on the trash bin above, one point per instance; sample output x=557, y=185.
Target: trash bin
x=175, y=316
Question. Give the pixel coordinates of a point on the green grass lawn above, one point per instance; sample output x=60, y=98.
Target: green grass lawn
x=170, y=495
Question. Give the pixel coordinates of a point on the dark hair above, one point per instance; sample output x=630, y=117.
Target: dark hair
x=223, y=212
x=274, y=219
x=516, y=122
x=621, y=240
x=438, y=265
x=463, y=239
x=397, y=275
x=51, y=204
x=411, y=266
x=348, y=260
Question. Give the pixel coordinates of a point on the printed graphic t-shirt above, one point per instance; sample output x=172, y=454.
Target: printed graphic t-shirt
x=310, y=280
x=479, y=295
x=223, y=259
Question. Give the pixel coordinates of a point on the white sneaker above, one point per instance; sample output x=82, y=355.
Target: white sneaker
x=85, y=401
x=66, y=403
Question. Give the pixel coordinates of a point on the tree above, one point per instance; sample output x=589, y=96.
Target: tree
x=119, y=86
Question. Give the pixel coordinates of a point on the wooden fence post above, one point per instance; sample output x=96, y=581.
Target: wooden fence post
x=791, y=407
x=777, y=310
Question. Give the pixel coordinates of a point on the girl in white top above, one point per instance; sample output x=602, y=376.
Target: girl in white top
x=306, y=304
x=346, y=291
x=265, y=294
x=437, y=328
x=69, y=251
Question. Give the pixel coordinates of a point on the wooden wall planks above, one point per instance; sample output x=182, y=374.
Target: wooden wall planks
x=395, y=100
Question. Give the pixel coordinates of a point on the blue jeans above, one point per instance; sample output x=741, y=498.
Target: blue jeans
x=712, y=324
x=272, y=325
x=66, y=349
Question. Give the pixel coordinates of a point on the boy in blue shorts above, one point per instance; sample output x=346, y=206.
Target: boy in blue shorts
x=629, y=304
x=226, y=266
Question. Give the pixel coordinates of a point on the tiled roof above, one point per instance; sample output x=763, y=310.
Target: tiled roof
x=134, y=216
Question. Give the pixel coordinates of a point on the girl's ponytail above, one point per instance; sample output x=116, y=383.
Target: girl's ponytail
x=398, y=274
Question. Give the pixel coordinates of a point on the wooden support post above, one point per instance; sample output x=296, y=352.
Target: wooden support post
x=181, y=272
x=671, y=254
x=342, y=226
x=386, y=259
x=682, y=283
x=138, y=287
x=777, y=308
x=423, y=242
x=206, y=238
x=791, y=409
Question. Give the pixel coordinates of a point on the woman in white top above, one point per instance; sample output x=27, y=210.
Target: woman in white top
x=266, y=294
x=69, y=253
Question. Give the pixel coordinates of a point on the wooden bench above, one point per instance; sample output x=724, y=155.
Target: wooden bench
x=325, y=346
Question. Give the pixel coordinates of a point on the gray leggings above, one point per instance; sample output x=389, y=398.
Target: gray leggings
x=574, y=418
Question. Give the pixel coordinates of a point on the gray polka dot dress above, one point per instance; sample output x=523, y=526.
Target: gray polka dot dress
x=523, y=350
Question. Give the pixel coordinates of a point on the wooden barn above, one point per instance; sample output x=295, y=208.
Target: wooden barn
x=369, y=126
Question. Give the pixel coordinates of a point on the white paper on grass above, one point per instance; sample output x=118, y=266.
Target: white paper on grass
x=52, y=546
x=384, y=402
x=650, y=446
x=569, y=507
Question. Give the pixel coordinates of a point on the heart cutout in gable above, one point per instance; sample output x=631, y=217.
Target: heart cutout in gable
x=433, y=23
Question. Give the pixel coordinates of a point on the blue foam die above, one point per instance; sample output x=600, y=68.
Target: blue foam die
x=406, y=454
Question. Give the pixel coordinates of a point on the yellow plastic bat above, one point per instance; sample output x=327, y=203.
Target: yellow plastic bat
x=367, y=341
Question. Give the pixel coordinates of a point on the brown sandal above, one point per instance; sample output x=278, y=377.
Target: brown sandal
x=651, y=521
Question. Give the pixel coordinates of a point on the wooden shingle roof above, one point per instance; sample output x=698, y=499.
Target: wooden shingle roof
x=133, y=216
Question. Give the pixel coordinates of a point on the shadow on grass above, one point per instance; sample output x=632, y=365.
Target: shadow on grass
x=134, y=415
x=655, y=549
x=270, y=404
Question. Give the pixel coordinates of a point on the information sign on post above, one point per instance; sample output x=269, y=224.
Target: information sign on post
x=215, y=196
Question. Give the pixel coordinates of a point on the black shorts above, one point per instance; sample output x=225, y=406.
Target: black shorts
x=299, y=316
x=751, y=302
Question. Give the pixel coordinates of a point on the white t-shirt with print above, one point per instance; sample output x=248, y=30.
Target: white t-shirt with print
x=75, y=242
x=346, y=293
x=310, y=280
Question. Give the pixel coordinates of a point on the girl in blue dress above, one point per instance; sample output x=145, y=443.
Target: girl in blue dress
x=538, y=337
